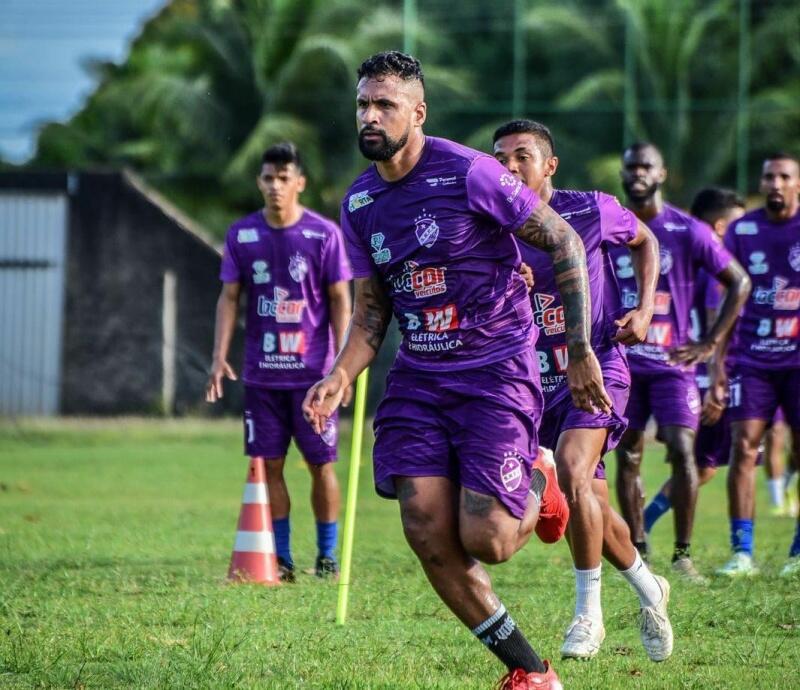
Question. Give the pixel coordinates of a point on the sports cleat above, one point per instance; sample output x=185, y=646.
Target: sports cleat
x=792, y=567
x=583, y=638
x=654, y=626
x=286, y=571
x=326, y=567
x=740, y=565
x=684, y=566
x=518, y=679
x=553, y=511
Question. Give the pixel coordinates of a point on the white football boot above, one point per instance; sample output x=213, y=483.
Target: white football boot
x=583, y=638
x=740, y=565
x=654, y=626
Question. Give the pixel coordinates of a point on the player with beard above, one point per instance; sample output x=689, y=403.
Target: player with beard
x=765, y=351
x=430, y=229
x=580, y=439
x=662, y=368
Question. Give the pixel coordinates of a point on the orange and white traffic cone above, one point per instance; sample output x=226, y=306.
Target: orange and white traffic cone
x=254, y=557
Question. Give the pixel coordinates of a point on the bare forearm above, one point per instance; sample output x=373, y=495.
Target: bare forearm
x=341, y=312
x=738, y=287
x=227, y=311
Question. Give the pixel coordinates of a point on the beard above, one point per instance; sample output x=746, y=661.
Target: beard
x=640, y=194
x=775, y=203
x=385, y=148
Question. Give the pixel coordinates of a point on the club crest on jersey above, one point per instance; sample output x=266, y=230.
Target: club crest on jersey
x=758, y=264
x=247, y=235
x=426, y=229
x=794, y=257
x=380, y=255
x=665, y=257
x=298, y=267
x=359, y=200
x=624, y=266
x=261, y=274
x=511, y=470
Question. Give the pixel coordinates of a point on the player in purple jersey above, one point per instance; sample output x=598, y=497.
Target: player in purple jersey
x=718, y=208
x=291, y=265
x=662, y=368
x=580, y=439
x=765, y=350
x=429, y=228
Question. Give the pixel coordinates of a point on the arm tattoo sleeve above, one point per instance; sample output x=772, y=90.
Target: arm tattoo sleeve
x=372, y=312
x=548, y=231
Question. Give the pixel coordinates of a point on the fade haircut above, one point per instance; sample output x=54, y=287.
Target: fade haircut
x=392, y=63
x=536, y=129
x=640, y=145
x=782, y=156
x=282, y=154
x=712, y=203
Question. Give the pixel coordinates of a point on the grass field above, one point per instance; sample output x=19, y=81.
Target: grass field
x=115, y=538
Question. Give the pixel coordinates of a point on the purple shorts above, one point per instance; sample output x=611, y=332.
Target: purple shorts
x=761, y=393
x=562, y=414
x=272, y=417
x=670, y=396
x=476, y=427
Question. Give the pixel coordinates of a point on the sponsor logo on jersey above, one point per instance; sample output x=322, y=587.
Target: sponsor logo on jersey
x=665, y=257
x=359, y=200
x=787, y=328
x=441, y=319
x=675, y=227
x=629, y=298
x=247, y=235
x=441, y=181
x=624, y=266
x=662, y=303
x=426, y=229
x=659, y=334
x=746, y=227
x=412, y=321
x=758, y=264
x=780, y=296
x=794, y=257
x=509, y=182
x=292, y=342
x=313, y=234
x=298, y=267
x=549, y=318
x=281, y=309
x=380, y=255
x=423, y=282
x=580, y=212
x=560, y=360
x=261, y=274
x=511, y=470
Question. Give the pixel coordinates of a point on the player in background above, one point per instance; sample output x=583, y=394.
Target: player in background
x=662, y=368
x=290, y=263
x=779, y=466
x=765, y=352
x=718, y=207
x=580, y=438
x=430, y=231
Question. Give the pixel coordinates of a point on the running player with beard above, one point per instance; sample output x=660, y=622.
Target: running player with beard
x=662, y=368
x=430, y=230
x=765, y=351
x=580, y=438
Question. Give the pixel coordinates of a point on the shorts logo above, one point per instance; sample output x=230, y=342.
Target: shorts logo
x=659, y=334
x=665, y=257
x=787, y=328
x=794, y=257
x=359, y=200
x=779, y=295
x=511, y=470
x=328, y=434
x=624, y=267
x=292, y=343
x=426, y=229
x=693, y=400
x=261, y=274
x=423, y=282
x=758, y=266
x=441, y=319
x=247, y=235
x=549, y=319
x=298, y=267
x=380, y=255
x=662, y=303
x=509, y=181
x=281, y=309
x=746, y=228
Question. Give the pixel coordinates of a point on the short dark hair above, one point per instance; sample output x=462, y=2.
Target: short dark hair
x=642, y=144
x=711, y=203
x=392, y=63
x=537, y=129
x=282, y=154
x=782, y=156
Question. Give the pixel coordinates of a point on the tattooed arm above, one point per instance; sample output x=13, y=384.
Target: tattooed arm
x=548, y=231
x=372, y=313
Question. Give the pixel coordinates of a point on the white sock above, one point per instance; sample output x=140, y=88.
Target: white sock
x=642, y=580
x=776, y=491
x=587, y=593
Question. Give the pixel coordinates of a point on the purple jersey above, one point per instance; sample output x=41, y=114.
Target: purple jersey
x=285, y=273
x=768, y=331
x=440, y=240
x=601, y=222
x=685, y=246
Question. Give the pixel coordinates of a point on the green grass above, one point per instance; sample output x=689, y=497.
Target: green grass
x=115, y=538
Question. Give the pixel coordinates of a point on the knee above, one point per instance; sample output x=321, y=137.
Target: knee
x=491, y=549
x=745, y=450
x=573, y=482
x=274, y=471
x=629, y=458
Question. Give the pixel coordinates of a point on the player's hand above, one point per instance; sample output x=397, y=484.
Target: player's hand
x=714, y=402
x=219, y=369
x=347, y=398
x=323, y=398
x=692, y=353
x=586, y=384
x=527, y=275
x=632, y=327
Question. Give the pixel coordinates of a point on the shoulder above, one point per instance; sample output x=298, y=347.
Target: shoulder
x=748, y=224
x=245, y=229
x=361, y=192
x=573, y=200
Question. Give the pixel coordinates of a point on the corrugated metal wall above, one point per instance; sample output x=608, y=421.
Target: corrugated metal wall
x=33, y=230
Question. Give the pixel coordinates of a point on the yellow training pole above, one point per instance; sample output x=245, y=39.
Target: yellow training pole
x=352, y=494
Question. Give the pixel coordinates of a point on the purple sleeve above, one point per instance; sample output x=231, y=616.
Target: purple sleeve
x=229, y=270
x=707, y=249
x=336, y=267
x=495, y=194
x=617, y=224
x=360, y=259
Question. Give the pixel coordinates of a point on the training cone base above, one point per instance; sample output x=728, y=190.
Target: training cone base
x=253, y=559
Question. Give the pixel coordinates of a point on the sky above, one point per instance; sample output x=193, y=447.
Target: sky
x=43, y=44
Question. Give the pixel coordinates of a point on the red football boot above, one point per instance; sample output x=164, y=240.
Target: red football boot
x=554, y=511
x=519, y=680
